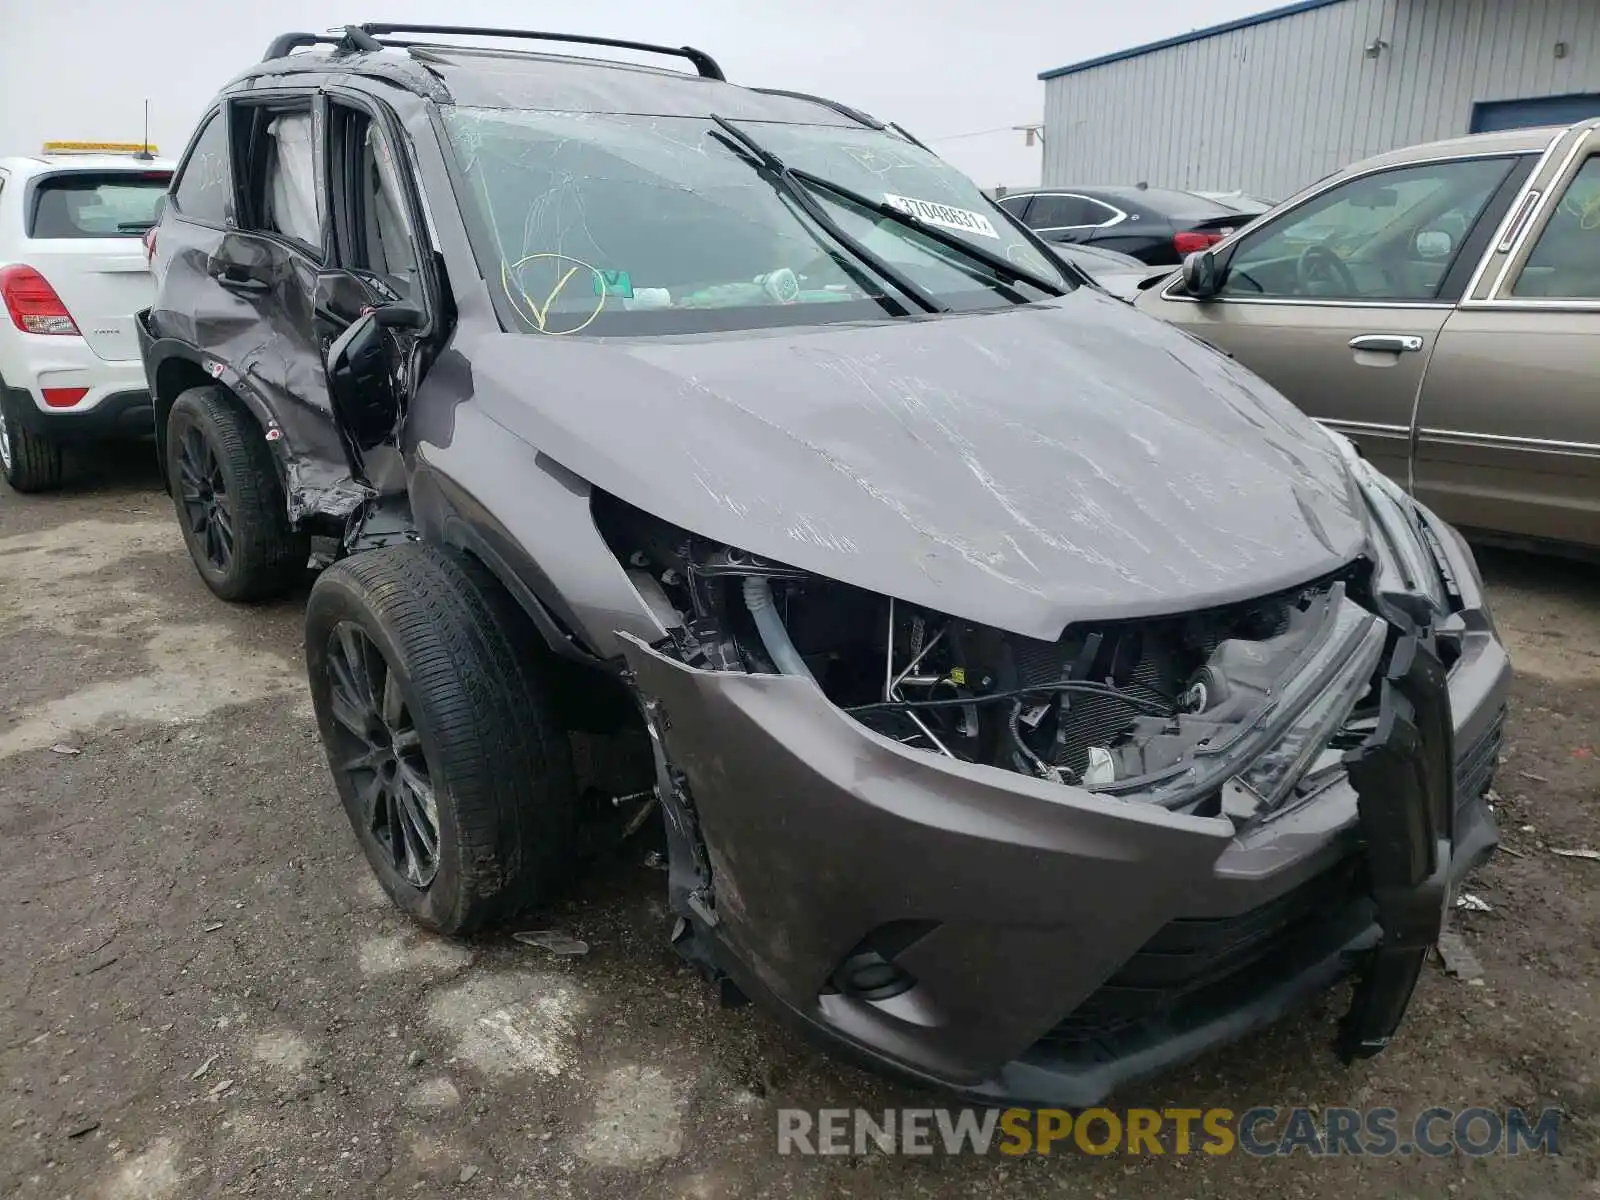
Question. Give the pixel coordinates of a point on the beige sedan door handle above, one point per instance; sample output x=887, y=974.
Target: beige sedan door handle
x=1387, y=343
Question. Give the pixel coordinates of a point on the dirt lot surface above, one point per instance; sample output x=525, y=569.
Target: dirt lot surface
x=205, y=994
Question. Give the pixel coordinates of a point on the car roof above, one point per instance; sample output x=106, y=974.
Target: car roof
x=1164, y=201
x=1506, y=141
x=490, y=77
x=24, y=165
x=1155, y=197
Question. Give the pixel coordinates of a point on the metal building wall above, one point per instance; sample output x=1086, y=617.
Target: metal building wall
x=1271, y=107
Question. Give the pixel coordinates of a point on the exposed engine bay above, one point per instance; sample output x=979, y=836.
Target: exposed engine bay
x=1232, y=710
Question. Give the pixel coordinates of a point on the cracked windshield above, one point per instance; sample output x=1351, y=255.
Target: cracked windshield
x=605, y=224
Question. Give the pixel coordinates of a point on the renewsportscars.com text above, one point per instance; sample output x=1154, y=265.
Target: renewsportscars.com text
x=1261, y=1132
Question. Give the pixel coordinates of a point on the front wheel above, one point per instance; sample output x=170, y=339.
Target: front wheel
x=232, y=509
x=457, y=781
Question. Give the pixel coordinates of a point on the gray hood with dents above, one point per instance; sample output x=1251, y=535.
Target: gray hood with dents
x=1025, y=468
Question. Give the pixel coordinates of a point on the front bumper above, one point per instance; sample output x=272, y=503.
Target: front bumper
x=1060, y=943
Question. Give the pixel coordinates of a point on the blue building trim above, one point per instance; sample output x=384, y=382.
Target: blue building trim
x=1183, y=39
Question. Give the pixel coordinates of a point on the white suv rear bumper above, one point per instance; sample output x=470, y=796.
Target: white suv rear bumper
x=116, y=398
x=34, y=362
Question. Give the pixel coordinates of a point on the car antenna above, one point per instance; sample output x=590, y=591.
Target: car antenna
x=144, y=154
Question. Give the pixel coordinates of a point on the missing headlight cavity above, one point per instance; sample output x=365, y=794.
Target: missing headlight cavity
x=1231, y=710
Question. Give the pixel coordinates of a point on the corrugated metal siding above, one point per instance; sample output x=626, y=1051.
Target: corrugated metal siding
x=1274, y=106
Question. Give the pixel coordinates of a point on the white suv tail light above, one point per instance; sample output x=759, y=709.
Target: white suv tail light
x=33, y=303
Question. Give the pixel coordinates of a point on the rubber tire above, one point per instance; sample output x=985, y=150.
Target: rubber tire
x=269, y=556
x=500, y=765
x=35, y=458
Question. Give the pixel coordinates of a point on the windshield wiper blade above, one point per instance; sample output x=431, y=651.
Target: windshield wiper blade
x=998, y=263
x=802, y=196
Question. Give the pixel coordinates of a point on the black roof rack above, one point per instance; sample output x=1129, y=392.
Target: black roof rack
x=855, y=114
x=703, y=62
x=351, y=37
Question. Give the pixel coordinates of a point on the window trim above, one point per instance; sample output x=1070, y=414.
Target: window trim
x=1027, y=202
x=283, y=100
x=1170, y=293
x=1501, y=297
x=219, y=113
x=1118, y=215
x=431, y=298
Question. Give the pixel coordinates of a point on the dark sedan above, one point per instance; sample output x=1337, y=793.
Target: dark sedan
x=1155, y=225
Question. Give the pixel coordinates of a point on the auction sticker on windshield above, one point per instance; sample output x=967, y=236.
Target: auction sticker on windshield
x=944, y=215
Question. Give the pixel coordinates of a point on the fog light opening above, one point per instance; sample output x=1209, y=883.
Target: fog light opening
x=870, y=976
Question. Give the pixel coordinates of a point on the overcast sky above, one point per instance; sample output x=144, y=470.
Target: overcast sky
x=81, y=69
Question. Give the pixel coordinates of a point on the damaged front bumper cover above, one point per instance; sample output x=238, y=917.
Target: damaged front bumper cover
x=1013, y=940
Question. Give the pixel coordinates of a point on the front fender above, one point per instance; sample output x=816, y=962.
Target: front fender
x=528, y=520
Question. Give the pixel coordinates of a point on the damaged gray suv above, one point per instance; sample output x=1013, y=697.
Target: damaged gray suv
x=1030, y=696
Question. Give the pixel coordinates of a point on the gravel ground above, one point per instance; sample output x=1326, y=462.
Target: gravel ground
x=206, y=994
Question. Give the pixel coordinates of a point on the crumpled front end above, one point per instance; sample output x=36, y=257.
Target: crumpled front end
x=1028, y=871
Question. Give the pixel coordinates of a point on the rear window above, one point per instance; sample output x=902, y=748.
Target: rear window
x=1185, y=206
x=85, y=204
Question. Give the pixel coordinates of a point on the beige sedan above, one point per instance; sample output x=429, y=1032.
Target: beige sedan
x=1441, y=306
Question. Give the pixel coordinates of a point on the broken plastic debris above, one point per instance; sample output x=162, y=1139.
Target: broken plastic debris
x=1585, y=853
x=212, y=927
x=222, y=1086
x=204, y=1067
x=61, y=748
x=1457, y=959
x=1472, y=903
x=556, y=943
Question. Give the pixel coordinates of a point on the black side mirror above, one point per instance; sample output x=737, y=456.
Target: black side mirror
x=340, y=297
x=361, y=382
x=1202, y=276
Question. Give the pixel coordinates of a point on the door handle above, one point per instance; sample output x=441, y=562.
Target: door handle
x=242, y=284
x=234, y=277
x=1387, y=343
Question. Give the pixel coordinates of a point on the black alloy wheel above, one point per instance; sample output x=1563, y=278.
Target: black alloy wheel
x=204, y=495
x=379, y=752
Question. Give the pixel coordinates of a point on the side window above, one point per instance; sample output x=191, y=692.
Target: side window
x=1096, y=213
x=1017, y=206
x=202, y=189
x=373, y=234
x=1565, y=261
x=1056, y=212
x=278, y=186
x=1387, y=236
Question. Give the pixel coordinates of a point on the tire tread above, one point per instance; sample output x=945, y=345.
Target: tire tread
x=269, y=554
x=35, y=458
x=470, y=665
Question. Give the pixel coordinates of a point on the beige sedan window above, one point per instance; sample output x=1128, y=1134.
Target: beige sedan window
x=1387, y=236
x=1565, y=262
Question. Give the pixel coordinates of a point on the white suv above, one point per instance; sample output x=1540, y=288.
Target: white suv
x=73, y=271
